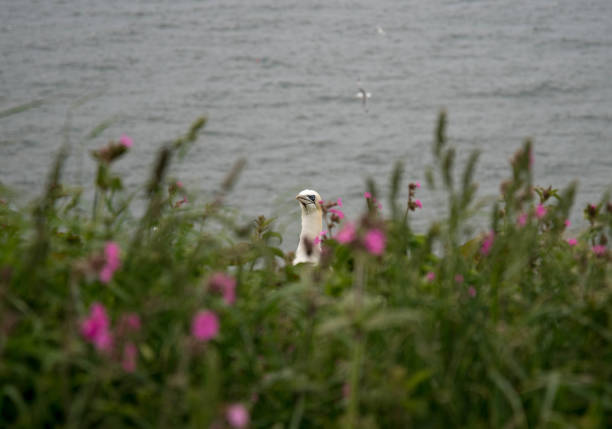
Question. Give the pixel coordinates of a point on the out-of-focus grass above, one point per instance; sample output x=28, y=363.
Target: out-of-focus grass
x=511, y=328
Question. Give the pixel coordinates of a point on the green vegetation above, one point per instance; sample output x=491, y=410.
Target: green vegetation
x=107, y=320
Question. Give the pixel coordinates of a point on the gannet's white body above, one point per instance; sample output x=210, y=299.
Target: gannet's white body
x=309, y=249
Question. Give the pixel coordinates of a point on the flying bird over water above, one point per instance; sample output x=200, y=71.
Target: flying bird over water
x=308, y=249
x=363, y=95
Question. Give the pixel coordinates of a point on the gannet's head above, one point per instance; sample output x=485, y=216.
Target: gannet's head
x=310, y=201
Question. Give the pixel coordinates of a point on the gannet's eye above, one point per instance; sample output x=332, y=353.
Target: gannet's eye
x=311, y=198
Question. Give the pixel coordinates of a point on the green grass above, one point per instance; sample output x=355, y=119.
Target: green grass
x=517, y=335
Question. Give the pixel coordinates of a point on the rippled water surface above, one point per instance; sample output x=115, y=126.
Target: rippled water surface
x=278, y=80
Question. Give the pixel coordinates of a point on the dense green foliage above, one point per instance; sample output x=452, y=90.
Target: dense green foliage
x=509, y=328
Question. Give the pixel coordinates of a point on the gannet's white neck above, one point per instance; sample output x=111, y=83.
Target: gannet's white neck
x=308, y=249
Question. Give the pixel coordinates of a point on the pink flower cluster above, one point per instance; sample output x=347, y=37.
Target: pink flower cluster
x=337, y=213
x=375, y=241
x=205, y=325
x=347, y=233
x=540, y=211
x=599, y=250
x=368, y=196
x=112, y=262
x=237, y=415
x=96, y=328
x=319, y=238
x=487, y=243
x=125, y=141
x=225, y=284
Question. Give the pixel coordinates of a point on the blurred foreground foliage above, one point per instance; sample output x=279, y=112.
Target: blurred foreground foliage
x=508, y=328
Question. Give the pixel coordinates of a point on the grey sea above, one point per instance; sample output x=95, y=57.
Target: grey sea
x=278, y=82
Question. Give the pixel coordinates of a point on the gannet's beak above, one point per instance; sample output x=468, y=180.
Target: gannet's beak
x=304, y=200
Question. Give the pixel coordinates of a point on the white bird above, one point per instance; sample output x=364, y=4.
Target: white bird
x=363, y=95
x=309, y=250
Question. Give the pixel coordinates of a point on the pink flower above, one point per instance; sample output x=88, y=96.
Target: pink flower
x=221, y=282
x=130, y=353
x=205, y=325
x=572, y=242
x=472, y=291
x=319, y=238
x=346, y=234
x=339, y=202
x=418, y=203
x=375, y=241
x=367, y=195
x=430, y=276
x=487, y=243
x=599, y=250
x=112, y=263
x=96, y=328
x=106, y=274
x=522, y=219
x=567, y=223
x=125, y=141
x=237, y=415
x=417, y=184
x=337, y=213
x=179, y=184
x=459, y=278
x=540, y=211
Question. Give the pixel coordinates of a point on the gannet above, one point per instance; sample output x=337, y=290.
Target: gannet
x=309, y=247
x=363, y=95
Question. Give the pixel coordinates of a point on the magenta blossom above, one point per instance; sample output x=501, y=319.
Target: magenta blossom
x=540, y=211
x=339, y=202
x=179, y=184
x=337, y=213
x=319, y=238
x=346, y=234
x=472, y=291
x=572, y=242
x=221, y=282
x=237, y=415
x=367, y=195
x=125, y=141
x=112, y=263
x=599, y=250
x=130, y=354
x=459, y=278
x=96, y=328
x=205, y=325
x=567, y=223
x=418, y=203
x=522, y=219
x=487, y=243
x=417, y=184
x=375, y=241
x=430, y=276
